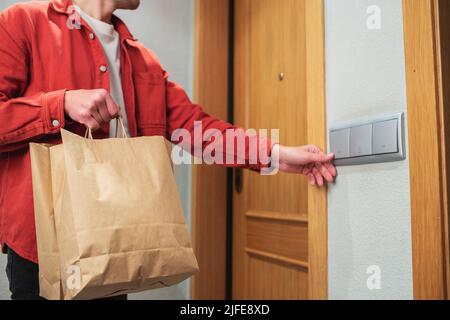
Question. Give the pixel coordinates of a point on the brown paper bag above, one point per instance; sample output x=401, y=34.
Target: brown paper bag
x=118, y=219
x=49, y=272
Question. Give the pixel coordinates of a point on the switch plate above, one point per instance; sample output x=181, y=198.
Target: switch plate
x=385, y=138
x=376, y=140
x=340, y=142
x=361, y=141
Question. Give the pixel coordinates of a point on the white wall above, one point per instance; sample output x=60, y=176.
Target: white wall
x=167, y=27
x=369, y=206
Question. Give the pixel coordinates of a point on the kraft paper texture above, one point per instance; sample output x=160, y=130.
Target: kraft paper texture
x=108, y=218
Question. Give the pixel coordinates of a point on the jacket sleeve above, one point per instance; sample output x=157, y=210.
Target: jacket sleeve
x=196, y=131
x=22, y=119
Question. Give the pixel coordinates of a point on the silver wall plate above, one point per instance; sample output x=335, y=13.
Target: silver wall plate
x=379, y=139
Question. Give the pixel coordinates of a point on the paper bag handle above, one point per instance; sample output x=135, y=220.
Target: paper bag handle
x=119, y=120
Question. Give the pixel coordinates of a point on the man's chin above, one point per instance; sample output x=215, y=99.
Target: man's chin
x=128, y=4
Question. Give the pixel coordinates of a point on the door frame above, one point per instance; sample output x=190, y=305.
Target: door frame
x=209, y=230
x=427, y=62
x=209, y=183
x=317, y=198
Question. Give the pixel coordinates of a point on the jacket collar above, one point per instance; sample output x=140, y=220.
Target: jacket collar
x=63, y=7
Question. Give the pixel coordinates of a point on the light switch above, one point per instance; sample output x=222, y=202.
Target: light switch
x=366, y=141
x=385, y=139
x=340, y=143
x=361, y=141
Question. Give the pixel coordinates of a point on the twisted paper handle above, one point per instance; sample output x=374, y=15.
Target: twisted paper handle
x=119, y=120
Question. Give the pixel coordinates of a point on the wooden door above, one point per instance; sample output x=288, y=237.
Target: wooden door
x=279, y=222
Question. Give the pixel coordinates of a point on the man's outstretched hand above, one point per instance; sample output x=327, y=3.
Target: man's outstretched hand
x=307, y=160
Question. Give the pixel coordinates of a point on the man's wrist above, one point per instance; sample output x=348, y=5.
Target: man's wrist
x=67, y=118
x=275, y=155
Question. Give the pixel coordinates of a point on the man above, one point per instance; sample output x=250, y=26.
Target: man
x=58, y=71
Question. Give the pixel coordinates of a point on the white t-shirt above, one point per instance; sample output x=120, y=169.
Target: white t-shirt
x=110, y=41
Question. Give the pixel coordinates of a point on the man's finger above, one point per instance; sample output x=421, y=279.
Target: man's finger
x=320, y=157
x=318, y=176
x=96, y=115
x=104, y=113
x=315, y=157
x=113, y=108
x=331, y=168
x=307, y=169
x=328, y=157
x=92, y=124
x=324, y=171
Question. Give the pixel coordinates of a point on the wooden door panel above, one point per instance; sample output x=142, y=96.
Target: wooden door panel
x=271, y=213
x=277, y=45
x=282, y=283
x=283, y=238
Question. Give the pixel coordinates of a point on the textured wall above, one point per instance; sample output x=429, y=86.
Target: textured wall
x=167, y=27
x=369, y=207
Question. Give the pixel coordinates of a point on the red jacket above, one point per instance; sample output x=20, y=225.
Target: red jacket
x=41, y=58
